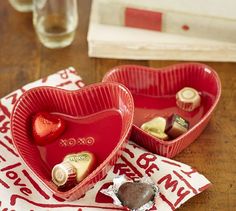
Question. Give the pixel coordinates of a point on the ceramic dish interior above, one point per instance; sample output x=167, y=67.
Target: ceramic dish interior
x=154, y=92
x=88, y=114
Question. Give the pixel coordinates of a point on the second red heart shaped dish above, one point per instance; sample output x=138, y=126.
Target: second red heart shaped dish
x=154, y=93
x=49, y=123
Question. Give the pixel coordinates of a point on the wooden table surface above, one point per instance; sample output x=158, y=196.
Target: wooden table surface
x=23, y=59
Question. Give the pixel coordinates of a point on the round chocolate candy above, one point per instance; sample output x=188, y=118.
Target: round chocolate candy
x=135, y=195
x=188, y=99
x=63, y=173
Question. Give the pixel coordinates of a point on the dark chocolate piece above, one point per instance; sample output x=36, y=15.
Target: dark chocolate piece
x=176, y=126
x=135, y=195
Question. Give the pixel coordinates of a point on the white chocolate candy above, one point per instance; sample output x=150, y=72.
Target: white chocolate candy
x=156, y=127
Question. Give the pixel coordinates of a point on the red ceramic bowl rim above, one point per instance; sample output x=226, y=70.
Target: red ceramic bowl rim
x=168, y=68
x=105, y=162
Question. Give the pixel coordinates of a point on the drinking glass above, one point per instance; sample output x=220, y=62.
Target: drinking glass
x=22, y=5
x=55, y=22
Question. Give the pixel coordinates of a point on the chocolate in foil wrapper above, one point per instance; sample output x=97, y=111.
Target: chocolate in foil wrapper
x=137, y=195
x=156, y=127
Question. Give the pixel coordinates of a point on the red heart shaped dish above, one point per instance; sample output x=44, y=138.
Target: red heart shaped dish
x=66, y=137
x=172, y=104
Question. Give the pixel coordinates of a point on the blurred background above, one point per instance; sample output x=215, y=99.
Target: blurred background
x=115, y=32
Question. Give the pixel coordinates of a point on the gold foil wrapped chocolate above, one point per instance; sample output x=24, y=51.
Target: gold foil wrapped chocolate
x=156, y=127
x=73, y=168
x=83, y=162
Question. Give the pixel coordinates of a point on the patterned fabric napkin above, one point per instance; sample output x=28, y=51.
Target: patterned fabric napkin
x=21, y=190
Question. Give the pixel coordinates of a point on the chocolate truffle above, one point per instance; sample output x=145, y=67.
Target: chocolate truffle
x=176, y=126
x=135, y=195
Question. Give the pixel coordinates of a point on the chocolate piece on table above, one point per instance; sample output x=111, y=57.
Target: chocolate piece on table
x=188, y=99
x=135, y=195
x=176, y=126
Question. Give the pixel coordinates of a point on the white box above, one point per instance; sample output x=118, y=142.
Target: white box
x=109, y=41
x=212, y=19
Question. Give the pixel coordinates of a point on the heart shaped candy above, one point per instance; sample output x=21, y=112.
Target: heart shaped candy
x=135, y=195
x=84, y=163
x=154, y=92
x=88, y=114
x=46, y=128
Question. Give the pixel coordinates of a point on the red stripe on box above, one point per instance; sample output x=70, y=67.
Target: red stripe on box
x=144, y=19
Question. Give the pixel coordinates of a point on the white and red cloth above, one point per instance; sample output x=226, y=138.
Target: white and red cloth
x=21, y=190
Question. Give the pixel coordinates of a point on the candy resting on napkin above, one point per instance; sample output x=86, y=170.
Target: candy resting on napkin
x=20, y=190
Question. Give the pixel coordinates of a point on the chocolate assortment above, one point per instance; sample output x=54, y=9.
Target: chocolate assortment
x=47, y=128
x=52, y=140
x=73, y=169
x=166, y=129
x=174, y=125
x=138, y=195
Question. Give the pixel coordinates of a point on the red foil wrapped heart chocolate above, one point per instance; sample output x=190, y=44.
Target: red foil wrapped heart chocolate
x=46, y=127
